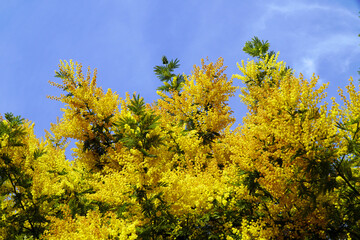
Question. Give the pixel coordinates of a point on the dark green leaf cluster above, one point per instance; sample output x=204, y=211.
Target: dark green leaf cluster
x=257, y=48
x=101, y=139
x=13, y=128
x=160, y=222
x=260, y=49
x=172, y=82
x=141, y=124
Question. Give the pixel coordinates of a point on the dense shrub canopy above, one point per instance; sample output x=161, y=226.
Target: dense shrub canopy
x=178, y=168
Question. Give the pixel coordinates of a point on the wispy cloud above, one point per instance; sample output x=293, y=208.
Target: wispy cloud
x=319, y=33
x=307, y=67
x=292, y=7
x=332, y=47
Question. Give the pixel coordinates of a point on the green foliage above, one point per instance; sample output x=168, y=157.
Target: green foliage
x=13, y=128
x=100, y=141
x=160, y=222
x=135, y=131
x=100, y=138
x=172, y=82
x=257, y=48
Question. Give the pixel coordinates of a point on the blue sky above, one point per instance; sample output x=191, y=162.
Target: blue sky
x=124, y=40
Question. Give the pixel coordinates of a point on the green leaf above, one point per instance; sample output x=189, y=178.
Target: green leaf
x=256, y=47
x=38, y=153
x=166, y=75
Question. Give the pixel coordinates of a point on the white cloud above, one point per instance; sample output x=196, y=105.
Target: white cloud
x=304, y=12
x=339, y=42
x=333, y=47
x=320, y=32
x=307, y=67
x=291, y=7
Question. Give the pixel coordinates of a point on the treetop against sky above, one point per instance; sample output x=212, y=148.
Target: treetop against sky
x=176, y=169
x=124, y=40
